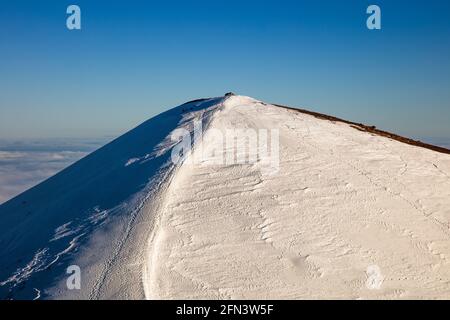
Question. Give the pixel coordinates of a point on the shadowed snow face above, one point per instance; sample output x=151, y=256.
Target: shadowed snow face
x=25, y=164
x=92, y=215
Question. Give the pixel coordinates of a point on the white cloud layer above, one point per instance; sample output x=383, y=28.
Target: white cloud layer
x=25, y=164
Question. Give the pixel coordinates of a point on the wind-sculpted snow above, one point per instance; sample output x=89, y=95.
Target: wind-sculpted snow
x=349, y=214
x=92, y=215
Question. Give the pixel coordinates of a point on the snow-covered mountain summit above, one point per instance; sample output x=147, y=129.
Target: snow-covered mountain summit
x=342, y=213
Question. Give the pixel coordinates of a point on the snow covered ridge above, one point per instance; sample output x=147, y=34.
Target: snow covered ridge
x=228, y=146
x=349, y=214
x=371, y=129
x=229, y=198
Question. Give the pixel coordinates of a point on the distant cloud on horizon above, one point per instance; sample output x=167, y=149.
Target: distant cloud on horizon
x=24, y=164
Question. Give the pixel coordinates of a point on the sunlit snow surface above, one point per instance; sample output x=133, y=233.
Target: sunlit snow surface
x=343, y=203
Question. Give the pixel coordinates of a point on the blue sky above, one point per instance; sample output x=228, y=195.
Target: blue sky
x=133, y=59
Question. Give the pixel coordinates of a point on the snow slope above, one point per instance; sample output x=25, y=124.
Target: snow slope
x=348, y=215
x=96, y=214
x=343, y=206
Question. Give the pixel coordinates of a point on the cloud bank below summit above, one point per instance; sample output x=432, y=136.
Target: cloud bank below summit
x=24, y=164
